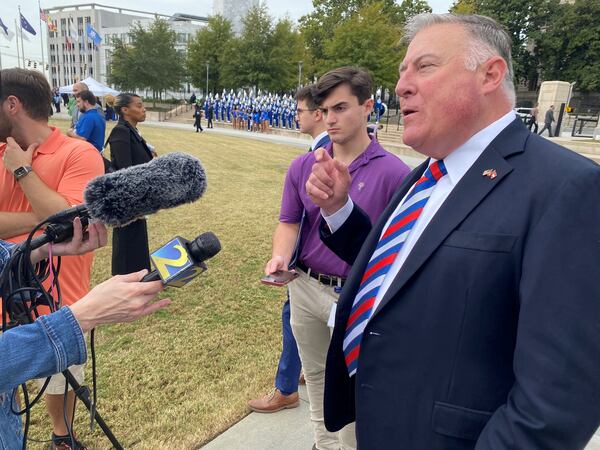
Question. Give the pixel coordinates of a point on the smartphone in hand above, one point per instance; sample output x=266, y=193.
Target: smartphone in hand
x=279, y=278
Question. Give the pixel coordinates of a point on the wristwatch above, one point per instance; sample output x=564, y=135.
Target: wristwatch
x=22, y=171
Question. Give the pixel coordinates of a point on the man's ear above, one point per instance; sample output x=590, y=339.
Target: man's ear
x=368, y=105
x=318, y=114
x=493, y=72
x=12, y=105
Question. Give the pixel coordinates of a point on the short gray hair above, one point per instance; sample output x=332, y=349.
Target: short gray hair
x=488, y=39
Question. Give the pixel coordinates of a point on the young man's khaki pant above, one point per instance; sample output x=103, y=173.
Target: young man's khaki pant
x=311, y=303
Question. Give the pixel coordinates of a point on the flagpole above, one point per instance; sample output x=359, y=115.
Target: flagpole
x=71, y=25
x=88, y=54
x=93, y=53
x=17, y=39
x=72, y=56
x=42, y=39
x=79, y=64
x=69, y=62
x=21, y=33
x=64, y=64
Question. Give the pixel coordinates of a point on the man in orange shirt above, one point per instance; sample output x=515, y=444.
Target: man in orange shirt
x=43, y=172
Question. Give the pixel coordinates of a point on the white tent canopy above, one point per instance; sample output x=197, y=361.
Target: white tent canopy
x=97, y=88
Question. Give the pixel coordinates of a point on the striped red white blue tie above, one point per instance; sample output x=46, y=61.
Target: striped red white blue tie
x=390, y=243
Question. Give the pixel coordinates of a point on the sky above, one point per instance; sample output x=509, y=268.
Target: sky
x=29, y=8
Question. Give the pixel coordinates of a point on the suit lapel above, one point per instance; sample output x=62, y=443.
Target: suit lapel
x=468, y=193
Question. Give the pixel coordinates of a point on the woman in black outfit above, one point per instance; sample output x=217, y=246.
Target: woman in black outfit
x=127, y=148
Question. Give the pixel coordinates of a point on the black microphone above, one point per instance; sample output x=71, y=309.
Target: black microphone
x=122, y=197
x=179, y=261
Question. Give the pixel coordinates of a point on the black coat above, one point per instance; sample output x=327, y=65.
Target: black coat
x=129, y=243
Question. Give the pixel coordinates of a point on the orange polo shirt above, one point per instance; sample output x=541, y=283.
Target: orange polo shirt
x=65, y=165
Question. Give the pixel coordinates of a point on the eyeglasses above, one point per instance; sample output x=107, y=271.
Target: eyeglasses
x=300, y=110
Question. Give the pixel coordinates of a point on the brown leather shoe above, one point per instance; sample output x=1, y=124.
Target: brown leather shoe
x=274, y=401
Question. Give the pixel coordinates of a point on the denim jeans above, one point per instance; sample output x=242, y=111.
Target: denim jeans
x=47, y=346
x=289, y=367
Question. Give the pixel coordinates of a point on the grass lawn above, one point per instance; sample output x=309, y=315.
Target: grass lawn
x=179, y=378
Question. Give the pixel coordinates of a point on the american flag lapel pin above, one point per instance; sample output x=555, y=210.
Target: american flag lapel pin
x=491, y=173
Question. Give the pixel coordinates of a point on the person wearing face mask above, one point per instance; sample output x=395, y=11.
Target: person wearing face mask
x=128, y=148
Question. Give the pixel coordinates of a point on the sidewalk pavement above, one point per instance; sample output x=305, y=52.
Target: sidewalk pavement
x=595, y=442
x=289, y=429
x=300, y=141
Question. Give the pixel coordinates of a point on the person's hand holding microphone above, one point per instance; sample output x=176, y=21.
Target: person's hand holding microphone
x=123, y=298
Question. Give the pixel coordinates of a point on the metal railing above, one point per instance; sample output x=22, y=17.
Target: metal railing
x=178, y=110
x=587, y=123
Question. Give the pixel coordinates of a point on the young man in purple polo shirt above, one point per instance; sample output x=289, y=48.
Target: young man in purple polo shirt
x=285, y=393
x=344, y=97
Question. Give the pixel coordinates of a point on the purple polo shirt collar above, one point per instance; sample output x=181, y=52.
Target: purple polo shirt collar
x=373, y=150
x=376, y=174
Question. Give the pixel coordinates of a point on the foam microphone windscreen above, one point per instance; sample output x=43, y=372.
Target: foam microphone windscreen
x=121, y=197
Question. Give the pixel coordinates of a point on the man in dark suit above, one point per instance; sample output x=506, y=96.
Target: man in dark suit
x=470, y=318
x=548, y=119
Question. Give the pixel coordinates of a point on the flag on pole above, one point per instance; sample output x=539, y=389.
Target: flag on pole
x=93, y=35
x=26, y=25
x=73, y=31
x=43, y=15
x=6, y=32
x=51, y=24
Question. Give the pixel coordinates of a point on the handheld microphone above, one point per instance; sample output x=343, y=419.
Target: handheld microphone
x=179, y=261
x=124, y=196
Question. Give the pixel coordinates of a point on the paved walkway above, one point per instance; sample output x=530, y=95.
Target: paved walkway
x=298, y=140
x=289, y=429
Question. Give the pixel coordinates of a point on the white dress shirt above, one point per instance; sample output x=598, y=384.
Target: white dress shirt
x=457, y=164
x=317, y=140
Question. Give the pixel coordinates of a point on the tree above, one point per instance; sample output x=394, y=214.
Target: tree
x=523, y=20
x=150, y=61
x=264, y=56
x=318, y=27
x=410, y=8
x=247, y=57
x=464, y=7
x=569, y=48
x=208, y=46
x=369, y=40
x=121, y=72
x=287, y=51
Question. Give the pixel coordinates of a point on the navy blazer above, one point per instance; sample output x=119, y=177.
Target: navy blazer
x=489, y=336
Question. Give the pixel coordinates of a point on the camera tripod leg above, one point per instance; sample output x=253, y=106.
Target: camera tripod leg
x=83, y=393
